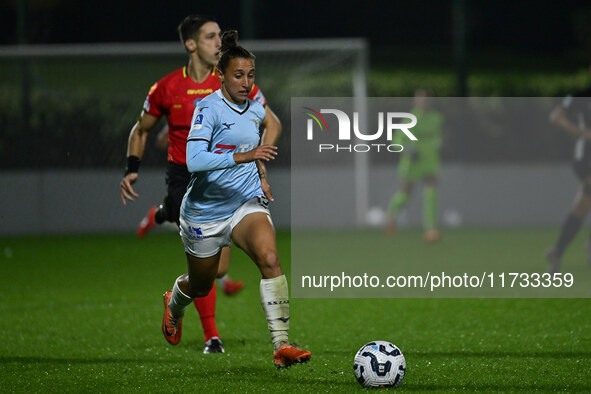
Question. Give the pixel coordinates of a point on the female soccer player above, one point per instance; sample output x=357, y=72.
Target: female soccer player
x=225, y=203
x=175, y=96
x=421, y=163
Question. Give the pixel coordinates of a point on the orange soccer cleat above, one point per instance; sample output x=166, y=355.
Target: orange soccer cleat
x=147, y=223
x=171, y=328
x=288, y=355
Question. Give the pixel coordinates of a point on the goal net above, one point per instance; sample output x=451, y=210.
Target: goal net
x=73, y=105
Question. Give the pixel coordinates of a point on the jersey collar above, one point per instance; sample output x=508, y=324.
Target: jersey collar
x=186, y=73
x=238, y=109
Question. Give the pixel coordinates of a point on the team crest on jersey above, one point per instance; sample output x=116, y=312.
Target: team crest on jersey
x=198, y=122
x=257, y=122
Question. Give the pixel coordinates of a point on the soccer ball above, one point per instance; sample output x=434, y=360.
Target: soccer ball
x=376, y=217
x=379, y=364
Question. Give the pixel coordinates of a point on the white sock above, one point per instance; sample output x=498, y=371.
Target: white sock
x=178, y=301
x=222, y=281
x=275, y=302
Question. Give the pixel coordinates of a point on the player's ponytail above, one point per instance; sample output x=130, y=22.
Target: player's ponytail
x=230, y=49
x=229, y=39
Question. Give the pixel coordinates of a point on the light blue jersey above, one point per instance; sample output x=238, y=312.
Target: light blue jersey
x=218, y=185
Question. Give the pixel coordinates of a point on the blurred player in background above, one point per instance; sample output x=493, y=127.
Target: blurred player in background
x=175, y=96
x=225, y=201
x=573, y=115
x=420, y=161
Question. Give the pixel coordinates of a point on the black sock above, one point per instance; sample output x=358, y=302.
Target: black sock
x=161, y=215
x=570, y=229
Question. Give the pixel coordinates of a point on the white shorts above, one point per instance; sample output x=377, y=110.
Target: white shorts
x=206, y=239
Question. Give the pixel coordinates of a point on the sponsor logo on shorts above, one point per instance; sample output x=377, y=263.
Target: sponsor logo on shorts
x=196, y=233
x=263, y=201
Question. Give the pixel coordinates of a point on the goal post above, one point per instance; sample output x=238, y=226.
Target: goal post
x=97, y=90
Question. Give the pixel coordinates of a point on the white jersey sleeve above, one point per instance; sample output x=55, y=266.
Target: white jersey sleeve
x=199, y=158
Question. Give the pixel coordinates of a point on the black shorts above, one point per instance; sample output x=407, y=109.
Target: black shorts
x=177, y=180
x=582, y=169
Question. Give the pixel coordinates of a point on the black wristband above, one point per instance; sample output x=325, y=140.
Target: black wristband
x=133, y=164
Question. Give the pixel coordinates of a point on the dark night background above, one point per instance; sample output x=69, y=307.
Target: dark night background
x=511, y=49
x=543, y=27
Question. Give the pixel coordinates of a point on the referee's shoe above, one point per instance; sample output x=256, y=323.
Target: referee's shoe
x=214, y=345
x=148, y=222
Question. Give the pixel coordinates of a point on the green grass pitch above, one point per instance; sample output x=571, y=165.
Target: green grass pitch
x=83, y=314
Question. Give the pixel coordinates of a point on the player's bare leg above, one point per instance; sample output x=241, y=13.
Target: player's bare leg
x=197, y=283
x=256, y=236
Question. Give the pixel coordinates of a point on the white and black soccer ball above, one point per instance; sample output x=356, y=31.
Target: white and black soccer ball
x=379, y=364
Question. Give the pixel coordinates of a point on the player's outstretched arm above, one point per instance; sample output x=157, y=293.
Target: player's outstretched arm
x=136, y=146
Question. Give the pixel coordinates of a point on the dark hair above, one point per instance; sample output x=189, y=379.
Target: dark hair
x=190, y=26
x=230, y=49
